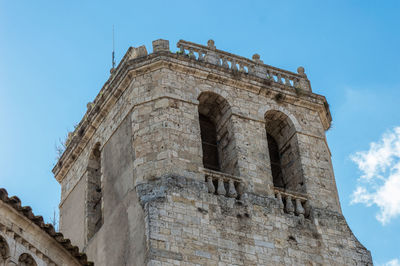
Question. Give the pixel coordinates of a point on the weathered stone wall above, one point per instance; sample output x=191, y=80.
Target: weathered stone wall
x=252, y=149
x=121, y=238
x=189, y=226
x=72, y=206
x=151, y=130
x=72, y=214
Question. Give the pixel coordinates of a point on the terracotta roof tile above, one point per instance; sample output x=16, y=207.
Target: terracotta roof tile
x=26, y=211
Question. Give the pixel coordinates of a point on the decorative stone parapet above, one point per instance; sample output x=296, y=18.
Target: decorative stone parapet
x=236, y=63
x=225, y=185
x=293, y=203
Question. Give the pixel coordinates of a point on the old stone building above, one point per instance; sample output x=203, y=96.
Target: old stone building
x=26, y=240
x=202, y=157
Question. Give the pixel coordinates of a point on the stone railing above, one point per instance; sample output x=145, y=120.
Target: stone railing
x=240, y=64
x=292, y=203
x=225, y=185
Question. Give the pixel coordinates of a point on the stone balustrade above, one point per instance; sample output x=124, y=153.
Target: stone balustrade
x=292, y=203
x=240, y=64
x=289, y=202
x=224, y=184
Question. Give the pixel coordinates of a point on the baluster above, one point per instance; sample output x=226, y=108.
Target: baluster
x=220, y=60
x=299, y=208
x=279, y=77
x=296, y=83
x=244, y=198
x=232, y=191
x=242, y=194
x=221, y=188
x=225, y=62
x=233, y=65
x=250, y=69
x=280, y=202
x=240, y=189
x=271, y=75
x=292, y=81
x=307, y=209
x=191, y=54
x=210, y=185
x=287, y=81
x=289, y=205
x=201, y=56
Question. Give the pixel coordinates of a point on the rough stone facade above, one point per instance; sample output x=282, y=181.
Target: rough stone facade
x=143, y=182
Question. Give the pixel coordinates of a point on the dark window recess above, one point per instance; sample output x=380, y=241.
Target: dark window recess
x=209, y=143
x=276, y=167
x=94, y=196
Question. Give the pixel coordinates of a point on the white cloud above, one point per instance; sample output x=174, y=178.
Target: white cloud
x=393, y=262
x=379, y=183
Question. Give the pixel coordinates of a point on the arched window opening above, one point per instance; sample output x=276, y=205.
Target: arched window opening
x=4, y=250
x=276, y=167
x=216, y=127
x=94, y=195
x=209, y=143
x=284, y=153
x=26, y=260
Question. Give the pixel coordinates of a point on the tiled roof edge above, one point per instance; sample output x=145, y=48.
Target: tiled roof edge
x=26, y=211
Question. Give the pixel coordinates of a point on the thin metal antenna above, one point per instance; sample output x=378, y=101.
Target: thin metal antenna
x=113, y=50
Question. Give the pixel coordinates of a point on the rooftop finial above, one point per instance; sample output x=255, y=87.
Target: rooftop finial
x=300, y=70
x=211, y=44
x=256, y=57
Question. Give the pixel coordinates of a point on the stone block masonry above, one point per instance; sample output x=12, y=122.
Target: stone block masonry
x=187, y=225
x=204, y=157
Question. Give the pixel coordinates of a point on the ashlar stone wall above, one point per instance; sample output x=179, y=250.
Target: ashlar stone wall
x=160, y=206
x=189, y=226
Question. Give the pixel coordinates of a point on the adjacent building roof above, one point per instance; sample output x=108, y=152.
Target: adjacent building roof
x=26, y=211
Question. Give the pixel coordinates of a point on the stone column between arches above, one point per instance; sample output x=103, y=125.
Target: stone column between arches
x=166, y=139
x=253, y=156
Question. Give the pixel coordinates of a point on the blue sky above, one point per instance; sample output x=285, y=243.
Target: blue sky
x=56, y=55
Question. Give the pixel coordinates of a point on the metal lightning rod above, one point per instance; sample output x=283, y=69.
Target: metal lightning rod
x=113, y=50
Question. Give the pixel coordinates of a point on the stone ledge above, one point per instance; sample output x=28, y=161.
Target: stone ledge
x=158, y=189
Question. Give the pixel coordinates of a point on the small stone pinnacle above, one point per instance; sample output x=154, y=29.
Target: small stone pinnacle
x=300, y=70
x=211, y=44
x=256, y=57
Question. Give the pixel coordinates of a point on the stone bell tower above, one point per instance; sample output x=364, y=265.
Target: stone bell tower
x=202, y=157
